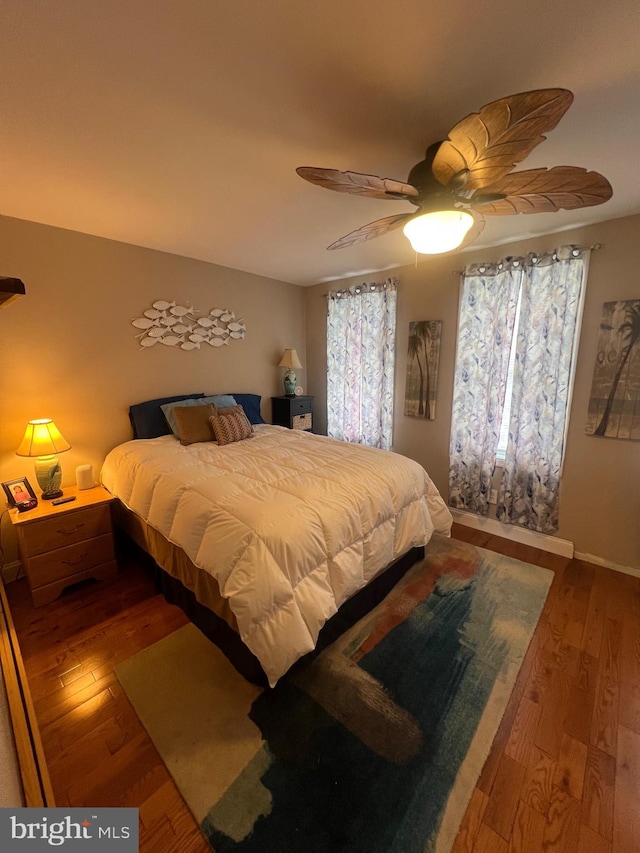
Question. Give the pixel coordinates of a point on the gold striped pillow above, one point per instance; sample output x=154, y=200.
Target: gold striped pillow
x=230, y=425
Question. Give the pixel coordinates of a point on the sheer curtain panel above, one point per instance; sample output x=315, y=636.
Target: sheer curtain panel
x=485, y=326
x=361, y=330
x=543, y=293
x=546, y=349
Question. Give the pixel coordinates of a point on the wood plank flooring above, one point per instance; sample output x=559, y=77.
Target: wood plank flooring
x=563, y=774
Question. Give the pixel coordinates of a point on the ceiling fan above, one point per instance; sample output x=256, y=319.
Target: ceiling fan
x=469, y=176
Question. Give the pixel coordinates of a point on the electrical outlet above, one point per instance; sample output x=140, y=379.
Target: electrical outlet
x=493, y=496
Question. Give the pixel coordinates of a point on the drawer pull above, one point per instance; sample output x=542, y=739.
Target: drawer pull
x=77, y=560
x=71, y=532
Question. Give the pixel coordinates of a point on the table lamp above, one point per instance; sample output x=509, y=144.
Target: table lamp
x=43, y=440
x=290, y=360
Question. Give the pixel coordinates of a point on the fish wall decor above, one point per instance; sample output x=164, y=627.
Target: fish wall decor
x=174, y=325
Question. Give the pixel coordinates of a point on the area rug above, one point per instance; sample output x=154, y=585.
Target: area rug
x=373, y=747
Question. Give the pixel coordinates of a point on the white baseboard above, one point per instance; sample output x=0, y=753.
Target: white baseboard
x=552, y=544
x=11, y=571
x=600, y=561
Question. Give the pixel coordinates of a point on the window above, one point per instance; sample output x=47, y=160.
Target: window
x=361, y=329
x=517, y=336
x=503, y=437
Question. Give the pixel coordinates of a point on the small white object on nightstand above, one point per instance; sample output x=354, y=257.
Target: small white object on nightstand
x=84, y=477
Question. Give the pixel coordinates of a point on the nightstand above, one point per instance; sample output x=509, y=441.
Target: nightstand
x=61, y=545
x=293, y=412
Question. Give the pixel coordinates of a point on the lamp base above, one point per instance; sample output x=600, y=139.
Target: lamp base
x=290, y=382
x=51, y=495
x=49, y=476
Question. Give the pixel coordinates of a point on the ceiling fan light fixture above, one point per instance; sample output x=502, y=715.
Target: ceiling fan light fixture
x=439, y=231
x=480, y=153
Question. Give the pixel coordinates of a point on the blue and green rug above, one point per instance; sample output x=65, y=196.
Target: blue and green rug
x=376, y=745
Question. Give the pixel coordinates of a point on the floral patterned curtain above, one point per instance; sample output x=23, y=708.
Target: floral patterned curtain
x=549, y=287
x=361, y=330
x=545, y=350
x=485, y=327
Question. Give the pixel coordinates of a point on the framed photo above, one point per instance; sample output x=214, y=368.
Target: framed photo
x=18, y=490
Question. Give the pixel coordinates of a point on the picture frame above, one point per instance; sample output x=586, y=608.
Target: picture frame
x=423, y=355
x=614, y=405
x=18, y=491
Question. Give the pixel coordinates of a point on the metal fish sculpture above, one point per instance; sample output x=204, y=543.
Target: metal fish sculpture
x=174, y=325
x=144, y=323
x=180, y=310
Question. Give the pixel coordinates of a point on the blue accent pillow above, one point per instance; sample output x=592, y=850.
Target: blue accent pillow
x=251, y=405
x=148, y=420
x=220, y=401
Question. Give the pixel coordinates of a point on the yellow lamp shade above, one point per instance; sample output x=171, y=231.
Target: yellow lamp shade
x=439, y=231
x=42, y=438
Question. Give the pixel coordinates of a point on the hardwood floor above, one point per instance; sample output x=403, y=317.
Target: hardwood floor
x=563, y=775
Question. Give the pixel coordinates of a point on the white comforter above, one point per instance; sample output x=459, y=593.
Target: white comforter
x=290, y=524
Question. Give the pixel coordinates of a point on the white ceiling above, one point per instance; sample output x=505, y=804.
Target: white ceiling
x=178, y=124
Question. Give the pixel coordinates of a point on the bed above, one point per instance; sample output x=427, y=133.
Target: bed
x=274, y=536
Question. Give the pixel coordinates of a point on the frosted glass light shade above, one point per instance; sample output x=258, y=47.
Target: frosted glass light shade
x=439, y=231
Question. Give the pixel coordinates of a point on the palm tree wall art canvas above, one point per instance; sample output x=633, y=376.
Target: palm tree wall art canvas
x=422, y=369
x=614, y=406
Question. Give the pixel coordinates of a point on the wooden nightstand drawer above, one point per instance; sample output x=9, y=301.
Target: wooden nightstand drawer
x=61, y=544
x=71, y=560
x=300, y=406
x=63, y=530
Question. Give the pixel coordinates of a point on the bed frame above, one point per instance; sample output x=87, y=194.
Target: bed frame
x=247, y=664
x=137, y=535
x=33, y=780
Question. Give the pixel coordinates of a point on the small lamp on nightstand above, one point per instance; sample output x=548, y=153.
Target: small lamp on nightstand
x=43, y=439
x=290, y=360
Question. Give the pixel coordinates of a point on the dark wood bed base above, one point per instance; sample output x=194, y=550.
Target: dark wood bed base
x=247, y=664
x=226, y=638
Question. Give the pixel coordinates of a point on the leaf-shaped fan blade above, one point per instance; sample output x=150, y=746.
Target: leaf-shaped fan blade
x=488, y=144
x=546, y=191
x=373, y=229
x=357, y=184
x=474, y=232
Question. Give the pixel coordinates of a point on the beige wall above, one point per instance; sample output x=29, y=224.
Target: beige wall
x=69, y=352
x=68, y=349
x=600, y=499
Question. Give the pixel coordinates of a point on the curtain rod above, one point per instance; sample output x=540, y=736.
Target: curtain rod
x=593, y=248
x=390, y=283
